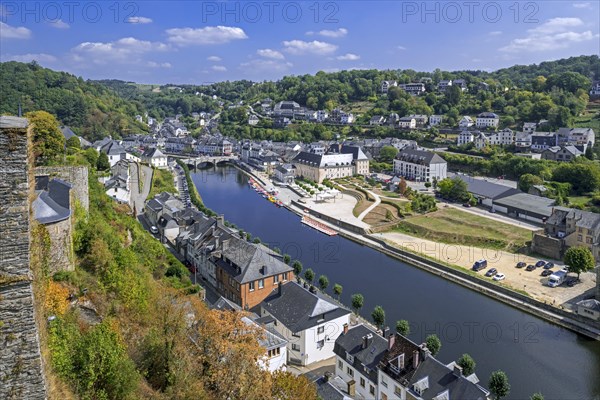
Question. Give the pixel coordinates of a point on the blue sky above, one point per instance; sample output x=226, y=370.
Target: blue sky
x=209, y=41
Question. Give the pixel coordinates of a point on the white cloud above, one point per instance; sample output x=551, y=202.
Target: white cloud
x=204, y=36
x=582, y=5
x=261, y=66
x=495, y=33
x=299, y=47
x=13, y=32
x=126, y=50
x=349, y=57
x=555, y=33
x=153, y=64
x=40, y=57
x=269, y=53
x=401, y=48
x=219, y=68
x=213, y=58
x=59, y=24
x=139, y=20
x=338, y=33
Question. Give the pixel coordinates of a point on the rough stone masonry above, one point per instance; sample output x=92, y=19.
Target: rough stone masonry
x=21, y=370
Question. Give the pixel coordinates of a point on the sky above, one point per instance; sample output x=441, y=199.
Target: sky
x=199, y=42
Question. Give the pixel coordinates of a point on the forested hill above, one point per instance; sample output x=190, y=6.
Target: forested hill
x=90, y=109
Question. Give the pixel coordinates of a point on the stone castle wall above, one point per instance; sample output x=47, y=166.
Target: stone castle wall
x=21, y=369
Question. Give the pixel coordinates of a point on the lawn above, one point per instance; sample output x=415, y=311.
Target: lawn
x=579, y=201
x=162, y=181
x=449, y=225
x=590, y=117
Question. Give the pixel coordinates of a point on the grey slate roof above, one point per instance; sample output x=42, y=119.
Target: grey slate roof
x=113, y=148
x=255, y=261
x=333, y=389
x=591, y=304
x=152, y=153
x=67, y=132
x=441, y=378
x=52, y=205
x=270, y=339
x=584, y=219
x=529, y=203
x=298, y=309
x=483, y=188
x=419, y=157
x=369, y=357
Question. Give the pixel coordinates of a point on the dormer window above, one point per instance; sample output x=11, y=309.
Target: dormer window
x=349, y=358
x=421, y=385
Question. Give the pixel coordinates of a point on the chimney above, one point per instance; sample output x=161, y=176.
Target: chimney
x=367, y=340
x=279, y=290
x=327, y=376
x=352, y=388
x=415, y=359
x=391, y=341
x=386, y=331
x=457, y=370
x=345, y=329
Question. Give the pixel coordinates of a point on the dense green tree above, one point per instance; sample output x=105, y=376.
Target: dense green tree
x=323, y=282
x=579, y=259
x=48, y=141
x=287, y=258
x=103, y=164
x=537, y=396
x=309, y=275
x=453, y=189
x=403, y=327
x=582, y=174
x=337, y=290
x=467, y=364
x=357, y=302
x=73, y=142
x=433, y=343
x=528, y=180
x=378, y=316
x=387, y=154
x=297, y=265
x=498, y=384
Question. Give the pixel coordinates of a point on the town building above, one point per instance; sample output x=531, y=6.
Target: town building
x=435, y=120
x=589, y=308
x=465, y=122
x=253, y=120
x=339, y=161
x=529, y=127
x=420, y=120
x=155, y=158
x=407, y=123
x=413, y=89
x=118, y=185
x=582, y=138
x=595, y=90
x=461, y=83
x=377, y=120
x=523, y=141
x=309, y=320
x=487, y=120
x=541, y=141
x=285, y=173
x=419, y=165
x=443, y=85
x=504, y=137
x=565, y=153
x=465, y=137
x=289, y=109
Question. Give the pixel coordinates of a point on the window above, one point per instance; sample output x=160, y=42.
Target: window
x=285, y=276
x=274, y=352
x=261, y=283
x=350, y=371
x=295, y=347
x=372, y=390
x=294, y=334
x=320, y=344
x=588, y=240
x=251, y=286
x=362, y=381
x=579, y=238
x=340, y=365
x=275, y=279
x=350, y=358
x=383, y=381
x=397, y=390
x=384, y=396
x=321, y=329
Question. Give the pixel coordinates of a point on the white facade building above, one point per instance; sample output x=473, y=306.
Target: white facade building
x=421, y=166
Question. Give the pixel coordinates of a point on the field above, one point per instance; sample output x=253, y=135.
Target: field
x=162, y=181
x=449, y=225
x=590, y=117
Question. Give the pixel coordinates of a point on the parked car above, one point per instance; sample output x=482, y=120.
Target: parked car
x=549, y=265
x=466, y=205
x=521, y=264
x=479, y=265
x=153, y=229
x=547, y=272
x=499, y=277
x=540, y=263
x=530, y=267
x=491, y=272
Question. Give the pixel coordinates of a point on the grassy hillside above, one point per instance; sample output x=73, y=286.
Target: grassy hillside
x=90, y=109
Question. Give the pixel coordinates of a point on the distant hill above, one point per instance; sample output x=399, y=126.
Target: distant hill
x=90, y=109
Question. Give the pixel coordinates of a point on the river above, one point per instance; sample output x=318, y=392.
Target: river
x=536, y=355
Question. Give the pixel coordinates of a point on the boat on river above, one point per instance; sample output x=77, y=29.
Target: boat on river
x=321, y=227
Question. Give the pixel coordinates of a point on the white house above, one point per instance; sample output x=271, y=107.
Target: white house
x=274, y=344
x=505, y=137
x=465, y=137
x=115, y=153
x=386, y=85
x=595, y=91
x=118, y=185
x=435, y=120
x=155, y=158
x=529, y=127
x=465, y=122
x=443, y=85
x=407, y=123
x=487, y=120
x=413, y=89
x=481, y=140
x=589, y=308
x=419, y=165
x=310, y=321
x=253, y=120
x=523, y=141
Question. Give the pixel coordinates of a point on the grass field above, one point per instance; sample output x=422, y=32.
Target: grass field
x=162, y=181
x=449, y=225
x=590, y=117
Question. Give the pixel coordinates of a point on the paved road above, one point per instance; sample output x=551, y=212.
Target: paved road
x=139, y=198
x=495, y=216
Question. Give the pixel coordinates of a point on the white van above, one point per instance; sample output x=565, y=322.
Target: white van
x=557, y=278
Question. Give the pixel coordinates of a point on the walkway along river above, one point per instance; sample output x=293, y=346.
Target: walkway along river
x=537, y=356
